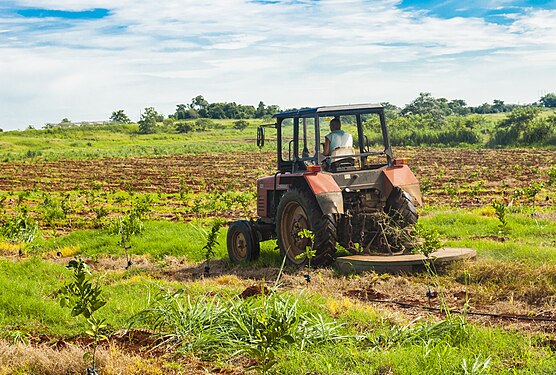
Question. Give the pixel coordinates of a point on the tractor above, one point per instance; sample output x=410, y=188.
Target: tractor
x=349, y=197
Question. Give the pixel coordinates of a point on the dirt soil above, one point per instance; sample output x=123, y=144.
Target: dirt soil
x=464, y=177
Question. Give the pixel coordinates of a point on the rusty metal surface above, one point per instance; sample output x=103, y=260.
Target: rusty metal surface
x=402, y=262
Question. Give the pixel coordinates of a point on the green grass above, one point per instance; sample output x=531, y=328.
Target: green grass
x=376, y=345
x=529, y=238
x=159, y=239
x=94, y=141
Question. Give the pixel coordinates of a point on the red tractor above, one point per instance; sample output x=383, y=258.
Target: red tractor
x=342, y=198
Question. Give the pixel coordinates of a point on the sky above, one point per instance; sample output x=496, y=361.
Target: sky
x=83, y=59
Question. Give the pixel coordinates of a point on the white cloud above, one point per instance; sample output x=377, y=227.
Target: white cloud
x=288, y=53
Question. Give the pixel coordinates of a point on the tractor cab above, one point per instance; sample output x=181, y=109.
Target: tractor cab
x=301, y=139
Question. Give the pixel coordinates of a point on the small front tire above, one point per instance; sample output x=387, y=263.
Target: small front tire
x=242, y=242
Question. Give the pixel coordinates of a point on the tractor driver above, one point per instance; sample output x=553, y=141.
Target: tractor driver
x=335, y=139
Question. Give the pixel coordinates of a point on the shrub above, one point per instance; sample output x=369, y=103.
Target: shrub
x=20, y=228
x=184, y=127
x=203, y=124
x=241, y=125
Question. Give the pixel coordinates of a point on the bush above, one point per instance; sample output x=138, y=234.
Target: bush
x=203, y=124
x=241, y=125
x=524, y=127
x=184, y=127
x=416, y=130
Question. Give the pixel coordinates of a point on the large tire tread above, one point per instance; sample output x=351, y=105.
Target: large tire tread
x=401, y=208
x=322, y=226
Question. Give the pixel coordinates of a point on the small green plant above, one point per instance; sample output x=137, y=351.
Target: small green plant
x=427, y=240
x=22, y=196
x=426, y=185
x=52, y=211
x=478, y=367
x=183, y=188
x=20, y=227
x=532, y=190
x=476, y=189
x=212, y=239
x=84, y=297
x=211, y=242
x=129, y=225
x=309, y=252
x=551, y=176
x=452, y=192
x=501, y=209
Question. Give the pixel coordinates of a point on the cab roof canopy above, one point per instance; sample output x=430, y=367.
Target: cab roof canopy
x=334, y=110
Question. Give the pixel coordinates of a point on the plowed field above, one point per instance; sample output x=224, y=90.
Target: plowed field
x=448, y=176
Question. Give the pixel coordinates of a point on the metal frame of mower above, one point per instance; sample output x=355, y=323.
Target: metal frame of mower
x=347, y=204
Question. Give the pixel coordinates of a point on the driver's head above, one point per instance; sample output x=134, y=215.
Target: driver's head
x=335, y=124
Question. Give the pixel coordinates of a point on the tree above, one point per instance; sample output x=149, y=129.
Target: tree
x=241, y=125
x=499, y=106
x=427, y=105
x=549, y=100
x=260, y=111
x=200, y=105
x=203, y=124
x=512, y=129
x=181, y=112
x=147, y=123
x=390, y=107
x=120, y=117
x=459, y=107
x=271, y=109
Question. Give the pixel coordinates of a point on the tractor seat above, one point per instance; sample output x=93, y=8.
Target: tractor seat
x=343, y=164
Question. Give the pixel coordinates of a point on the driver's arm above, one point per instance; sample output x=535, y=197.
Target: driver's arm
x=326, y=151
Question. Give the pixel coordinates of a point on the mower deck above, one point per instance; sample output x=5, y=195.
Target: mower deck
x=403, y=263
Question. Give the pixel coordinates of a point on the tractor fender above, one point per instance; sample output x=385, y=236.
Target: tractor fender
x=326, y=190
x=401, y=176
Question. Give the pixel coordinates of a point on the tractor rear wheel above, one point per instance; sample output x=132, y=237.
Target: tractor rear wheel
x=242, y=241
x=401, y=208
x=298, y=210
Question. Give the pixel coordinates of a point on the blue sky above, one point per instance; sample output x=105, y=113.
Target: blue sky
x=84, y=59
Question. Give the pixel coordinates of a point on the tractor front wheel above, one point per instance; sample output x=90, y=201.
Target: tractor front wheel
x=242, y=241
x=298, y=210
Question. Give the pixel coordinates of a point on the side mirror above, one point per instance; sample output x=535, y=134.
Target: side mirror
x=260, y=136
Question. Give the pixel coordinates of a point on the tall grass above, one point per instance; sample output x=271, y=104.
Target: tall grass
x=256, y=326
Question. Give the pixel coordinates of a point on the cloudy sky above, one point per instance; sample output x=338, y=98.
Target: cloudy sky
x=83, y=59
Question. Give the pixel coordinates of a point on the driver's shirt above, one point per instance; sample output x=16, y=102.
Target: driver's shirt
x=339, y=138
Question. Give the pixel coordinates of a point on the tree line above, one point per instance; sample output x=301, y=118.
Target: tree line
x=438, y=121
x=426, y=120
